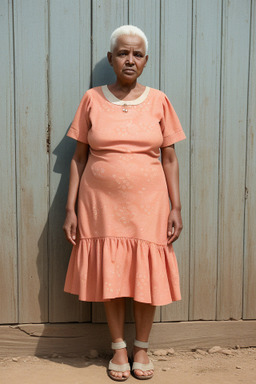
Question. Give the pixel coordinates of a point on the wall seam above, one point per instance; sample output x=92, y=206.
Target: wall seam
x=160, y=87
x=190, y=154
x=16, y=164
x=48, y=152
x=219, y=160
x=246, y=156
x=91, y=46
x=91, y=84
x=160, y=45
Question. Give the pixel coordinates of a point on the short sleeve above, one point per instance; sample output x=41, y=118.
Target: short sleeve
x=170, y=125
x=81, y=122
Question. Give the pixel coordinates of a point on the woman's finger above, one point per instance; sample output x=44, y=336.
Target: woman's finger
x=173, y=238
x=66, y=231
x=171, y=230
x=175, y=235
x=72, y=241
x=172, y=233
x=70, y=235
x=73, y=234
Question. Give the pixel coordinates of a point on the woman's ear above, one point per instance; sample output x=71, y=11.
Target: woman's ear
x=109, y=56
x=146, y=57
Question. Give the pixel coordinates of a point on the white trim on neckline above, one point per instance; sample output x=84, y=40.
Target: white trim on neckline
x=113, y=99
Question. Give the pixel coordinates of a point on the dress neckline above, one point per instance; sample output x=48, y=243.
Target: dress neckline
x=114, y=100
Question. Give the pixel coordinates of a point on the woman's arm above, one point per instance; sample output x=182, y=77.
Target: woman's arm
x=171, y=170
x=77, y=165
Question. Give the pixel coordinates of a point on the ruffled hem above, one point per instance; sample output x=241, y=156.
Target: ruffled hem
x=104, y=268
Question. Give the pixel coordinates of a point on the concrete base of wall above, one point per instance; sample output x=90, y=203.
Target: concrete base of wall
x=79, y=338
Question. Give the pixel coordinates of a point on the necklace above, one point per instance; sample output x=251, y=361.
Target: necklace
x=124, y=108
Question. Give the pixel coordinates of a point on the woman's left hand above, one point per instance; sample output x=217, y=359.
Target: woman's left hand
x=174, y=225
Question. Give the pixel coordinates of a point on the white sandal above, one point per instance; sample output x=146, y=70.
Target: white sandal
x=140, y=366
x=118, y=367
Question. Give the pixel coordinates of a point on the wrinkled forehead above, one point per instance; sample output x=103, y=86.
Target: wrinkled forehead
x=130, y=41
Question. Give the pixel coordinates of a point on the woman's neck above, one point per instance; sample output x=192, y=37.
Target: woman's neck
x=121, y=90
x=124, y=87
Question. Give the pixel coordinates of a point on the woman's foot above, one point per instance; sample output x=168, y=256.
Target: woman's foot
x=120, y=357
x=140, y=356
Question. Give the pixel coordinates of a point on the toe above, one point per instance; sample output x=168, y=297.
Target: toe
x=126, y=374
x=119, y=375
x=138, y=372
x=114, y=373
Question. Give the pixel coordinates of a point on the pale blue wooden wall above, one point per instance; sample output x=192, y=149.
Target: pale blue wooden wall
x=203, y=55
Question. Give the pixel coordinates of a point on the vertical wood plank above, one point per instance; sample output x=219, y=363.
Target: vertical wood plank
x=105, y=18
x=176, y=24
x=145, y=14
x=249, y=297
x=8, y=244
x=249, y=292
x=30, y=32
x=235, y=47
x=69, y=79
x=204, y=158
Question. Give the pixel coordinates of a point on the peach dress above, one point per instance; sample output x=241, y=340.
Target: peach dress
x=123, y=201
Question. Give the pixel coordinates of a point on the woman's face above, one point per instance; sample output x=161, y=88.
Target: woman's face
x=128, y=58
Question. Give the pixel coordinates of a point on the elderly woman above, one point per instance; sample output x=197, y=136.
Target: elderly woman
x=124, y=228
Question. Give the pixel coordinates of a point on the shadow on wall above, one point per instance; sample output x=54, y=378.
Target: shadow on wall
x=103, y=73
x=63, y=307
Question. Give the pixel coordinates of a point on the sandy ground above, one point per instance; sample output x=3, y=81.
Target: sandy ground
x=180, y=368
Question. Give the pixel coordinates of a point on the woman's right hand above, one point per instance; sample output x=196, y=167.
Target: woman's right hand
x=69, y=227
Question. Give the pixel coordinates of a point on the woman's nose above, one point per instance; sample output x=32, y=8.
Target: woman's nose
x=130, y=58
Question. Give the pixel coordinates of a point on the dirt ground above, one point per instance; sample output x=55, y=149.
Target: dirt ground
x=199, y=367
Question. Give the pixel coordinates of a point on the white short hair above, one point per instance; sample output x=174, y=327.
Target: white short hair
x=127, y=30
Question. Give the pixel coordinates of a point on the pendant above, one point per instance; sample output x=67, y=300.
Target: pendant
x=125, y=109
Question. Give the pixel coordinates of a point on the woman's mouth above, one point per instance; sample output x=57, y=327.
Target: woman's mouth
x=129, y=70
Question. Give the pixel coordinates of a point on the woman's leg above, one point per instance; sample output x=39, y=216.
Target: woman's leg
x=144, y=316
x=115, y=312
